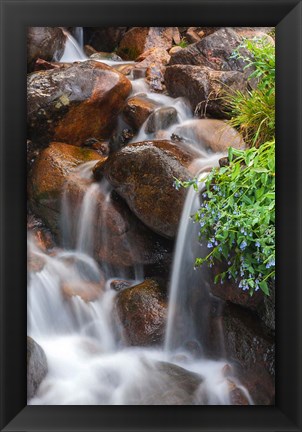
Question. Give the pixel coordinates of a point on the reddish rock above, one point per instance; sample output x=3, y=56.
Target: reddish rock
x=153, y=56
x=46, y=43
x=120, y=239
x=139, y=39
x=87, y=291
x=192, y=36
x=215, y=135
x=75, y=103
x=143, y=174
x=142, y=313
x=204, y=87
x=54, y=166
x=155, y=77
x=137, y=109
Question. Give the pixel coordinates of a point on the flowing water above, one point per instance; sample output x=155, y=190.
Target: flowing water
x=88, y=362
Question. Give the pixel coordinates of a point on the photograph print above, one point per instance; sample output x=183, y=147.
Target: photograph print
x=151, y=216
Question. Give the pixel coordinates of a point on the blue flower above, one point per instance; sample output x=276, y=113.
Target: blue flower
x=204, y=195
x=257, y=244
x=209, y=245
x=243, y=245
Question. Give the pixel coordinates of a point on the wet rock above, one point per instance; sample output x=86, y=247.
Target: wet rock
x=252, y=349
x=42, y=237
x=41, y=65
x=119, y=285
x=119, y=238
x=153, y=56
x=142, y=311
x=105, y=56
x=143, y=174
x=137, y=109
x=268, y=311
x=89, y=50
x=46, y=43
x=124, y=69
x=75, y=103
x=36, y=367
x=215, y=135
x=54, y=166
x=166, y=384
x=229, y=291
x=161, y=119
x=139, y=39
x=214, y=51
x=155, y=78
x=174, y=50
x=204, y=87
x=191, y=35
x=104, y=38
x=87, y=291
x=237, y=395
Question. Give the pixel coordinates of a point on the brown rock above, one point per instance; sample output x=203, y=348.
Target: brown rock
x=139, y=39
x=137, y=109
x=155, y=77
x=89, y=50
x=174, y=50
x=87, y=291
x=203, y=87
x=51, y=170
x=75, y=103
x=46, y=43
x=161, y=119
x=37, y=367
x=119, y=285
x=142, y=313
x=104, y=38
x=100, y=55
x=214, y=51
x=120, y=239
x=153, y=56
x=215, y=135
x=253, y=351
x=192, y=36
x=143, y=174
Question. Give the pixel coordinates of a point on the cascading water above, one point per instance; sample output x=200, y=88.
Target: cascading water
x=88, y=362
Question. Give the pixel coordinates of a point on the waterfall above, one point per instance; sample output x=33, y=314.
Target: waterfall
x=88, y=360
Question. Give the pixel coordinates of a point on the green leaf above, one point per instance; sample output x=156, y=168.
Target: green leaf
x=264, y=287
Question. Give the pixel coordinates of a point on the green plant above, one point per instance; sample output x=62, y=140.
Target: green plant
x=183, y=43
x=237, y=217
x=253, y=112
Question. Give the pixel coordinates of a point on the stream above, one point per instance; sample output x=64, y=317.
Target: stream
x=89, y=362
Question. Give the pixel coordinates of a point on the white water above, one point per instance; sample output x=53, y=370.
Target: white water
x=88, y=361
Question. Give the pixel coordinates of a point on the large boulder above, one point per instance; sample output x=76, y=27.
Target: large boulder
x=46, y=43
x=36, y=367
x=75, y=103
x=214, y=51
x=250, y=347
x=142, y=311
x=143, y=174
x=204, y=87
x=119, y=238
x=104, y=38
x=53, y=167
x=139, y=39
x=214, y=135
x=137, y=109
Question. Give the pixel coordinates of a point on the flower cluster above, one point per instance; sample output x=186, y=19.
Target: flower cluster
x=237, y=217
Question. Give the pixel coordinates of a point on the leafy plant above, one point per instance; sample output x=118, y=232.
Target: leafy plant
x=183, y=43
x=237, y=217
x=253, y=112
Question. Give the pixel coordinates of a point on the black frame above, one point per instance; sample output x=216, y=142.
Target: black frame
x=15, y=17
